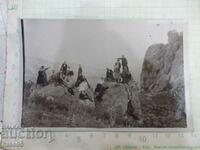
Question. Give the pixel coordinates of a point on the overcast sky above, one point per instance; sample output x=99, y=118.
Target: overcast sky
x=95, y=43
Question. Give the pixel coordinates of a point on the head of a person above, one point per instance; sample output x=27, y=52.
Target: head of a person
x=79, y=65
x=123, y=56
x=42, y=67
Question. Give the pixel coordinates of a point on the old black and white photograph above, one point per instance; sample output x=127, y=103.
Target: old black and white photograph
x=83, y=73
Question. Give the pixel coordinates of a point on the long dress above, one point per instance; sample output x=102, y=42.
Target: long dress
x=42, y=77
x=64, y=69
x=117, y=75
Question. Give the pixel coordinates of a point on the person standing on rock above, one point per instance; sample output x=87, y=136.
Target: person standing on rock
x=117, y=68
x=109, y=75
x=80, y=77
x=42, y=76
x=63, y=68
x=124, y=62
x=126, y=75
x=100, y=90
x=80, y=70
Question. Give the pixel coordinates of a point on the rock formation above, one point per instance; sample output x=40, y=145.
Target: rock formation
x=114, y=103
x=162, y=69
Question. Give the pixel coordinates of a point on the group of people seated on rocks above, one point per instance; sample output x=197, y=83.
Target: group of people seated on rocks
x=65, y=74
x=117, y=75
x=57, y=78
x=64, y=77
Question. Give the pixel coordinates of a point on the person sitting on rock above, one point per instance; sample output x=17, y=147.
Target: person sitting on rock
x=109, y=75
x=42, y=76
x=70, y=71
x=85, y=90
x=65, y=81
x=60, y=78
x=99, y=91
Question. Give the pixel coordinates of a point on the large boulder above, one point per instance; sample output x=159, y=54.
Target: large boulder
x=52, y=94
x=114, y=103
x=163, y=62
x=163, y=69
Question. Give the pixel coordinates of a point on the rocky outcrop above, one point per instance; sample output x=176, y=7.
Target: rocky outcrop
x=114, y=103
x=50, y=104
x=57, y=95
x=163, y=64
x=162, y=69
